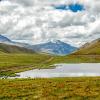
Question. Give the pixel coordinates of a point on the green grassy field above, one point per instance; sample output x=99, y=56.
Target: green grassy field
x=50, y=89
x=12, y=63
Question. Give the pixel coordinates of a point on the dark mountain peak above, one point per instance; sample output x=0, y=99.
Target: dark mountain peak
x=4, y=39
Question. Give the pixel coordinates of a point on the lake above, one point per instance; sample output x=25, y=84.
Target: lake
x=63, y=70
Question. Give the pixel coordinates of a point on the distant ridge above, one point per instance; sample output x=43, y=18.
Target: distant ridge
x=55, y=47
x=92, y=48
x=4, y=39
x=6, y=48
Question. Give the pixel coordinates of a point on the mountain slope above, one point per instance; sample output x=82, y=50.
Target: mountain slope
x=4, y=39
x=6, y=48
x=54, y=47
x=92, y=48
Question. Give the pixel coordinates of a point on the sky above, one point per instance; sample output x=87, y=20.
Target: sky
x=36, y=21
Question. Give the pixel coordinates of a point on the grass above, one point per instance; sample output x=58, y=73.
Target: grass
x=50, y=89
x=12, y=63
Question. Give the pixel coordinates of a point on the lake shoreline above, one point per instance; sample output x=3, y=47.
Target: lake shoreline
x=62, y=70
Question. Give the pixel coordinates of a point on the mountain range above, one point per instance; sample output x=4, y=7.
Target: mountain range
x=56, y=47
x=8, y=46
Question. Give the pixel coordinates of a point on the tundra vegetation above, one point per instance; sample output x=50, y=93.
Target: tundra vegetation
x=13, y=63
x=50, y=89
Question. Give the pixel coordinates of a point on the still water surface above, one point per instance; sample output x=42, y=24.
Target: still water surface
x=64, y=70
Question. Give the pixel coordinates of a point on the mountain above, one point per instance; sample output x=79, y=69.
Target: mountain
x=56, y=47
x=6, y=48
x=4, y=39
x=92, y=48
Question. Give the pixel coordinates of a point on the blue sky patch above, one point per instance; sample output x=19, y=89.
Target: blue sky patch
x=72, y=7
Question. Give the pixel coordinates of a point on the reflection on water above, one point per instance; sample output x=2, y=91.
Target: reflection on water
x=64, y=70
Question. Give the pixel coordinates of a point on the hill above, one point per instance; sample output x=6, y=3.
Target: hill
x=92, y=48
x=6, y=48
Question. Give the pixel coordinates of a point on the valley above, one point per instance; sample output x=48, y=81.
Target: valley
x=49, y=50
x=12, y=63
x=15, y=59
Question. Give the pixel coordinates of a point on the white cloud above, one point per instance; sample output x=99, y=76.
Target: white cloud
x=36, y=21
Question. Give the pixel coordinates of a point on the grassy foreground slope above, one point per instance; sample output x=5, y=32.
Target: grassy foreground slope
x=50, y=89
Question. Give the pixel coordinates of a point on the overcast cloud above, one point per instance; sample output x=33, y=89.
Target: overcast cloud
x=36, y=21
